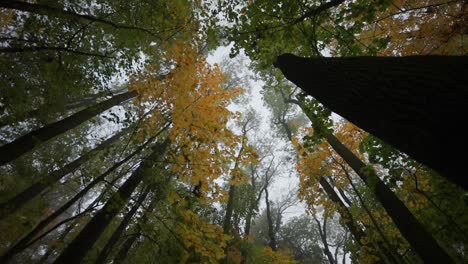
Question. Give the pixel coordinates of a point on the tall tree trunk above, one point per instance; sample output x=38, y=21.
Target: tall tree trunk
x=19, y=200
x=121, y=228
x=87, y=100
x=323, y=235
x=20, y=146
x=23, y=243
x=394, y=256
x=130, y=241
x=271, y=228
x=66, y=14
x=411, y=229
x=79, y=247
x=227, y=226
x=352, y=226
x=413, y=103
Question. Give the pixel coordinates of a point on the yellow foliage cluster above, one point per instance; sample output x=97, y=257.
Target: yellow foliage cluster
x=191, y=97
x=275, y=257
x=421, y=27
x=205, y=242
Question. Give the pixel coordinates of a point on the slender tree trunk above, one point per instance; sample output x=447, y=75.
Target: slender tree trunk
x=227, y=226
x=22, y=244
x=121, y=229
x=52, y=247
x=43, y=109
x=130, y=241
x=394, y=256
x=413, y=103
x=65, y=14
x=20, y=146
x=79, y=247
x=30, y=193
x=271, y=229
x=413, y=231
x=355, y=230
x=323, y=236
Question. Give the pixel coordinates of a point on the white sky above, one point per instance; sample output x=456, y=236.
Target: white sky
x=287, y=179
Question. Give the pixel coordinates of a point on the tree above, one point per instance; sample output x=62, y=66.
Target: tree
x=78, y=248
x=413, y=114
x=31, y=140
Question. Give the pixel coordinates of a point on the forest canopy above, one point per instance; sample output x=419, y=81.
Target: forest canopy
x=229, y=131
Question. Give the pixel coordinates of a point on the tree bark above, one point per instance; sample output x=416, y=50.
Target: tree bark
x=20, y=146
x=127, y=245
x=271, y=230
x=79, y=247
x=411, y=229
x=413, y=103
x=22, y=244
x=323, y=236
x=19, y=200
x=121, y=228
x=65, y=14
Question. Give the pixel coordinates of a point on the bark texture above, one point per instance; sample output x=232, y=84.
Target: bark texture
x=413, y=103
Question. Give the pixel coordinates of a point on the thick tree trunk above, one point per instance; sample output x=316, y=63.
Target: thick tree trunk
x=411, y=229
x=413, y=103
x=19, y=200
x=121, y=228
x=79, y=247
x=271, y=229
x=22, y=244
x=20, y=146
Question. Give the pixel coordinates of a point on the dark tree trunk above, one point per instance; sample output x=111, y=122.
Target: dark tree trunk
x=127, y=245
x=120, y=229
x=19, y=200
x=271, y=228
x=66, y=14
x=79, y=247
x=323, y=235
x=411, y=229
x=413, y=103
x=355, y=230
x=20, y=146
x=394, y=256
x=22, y=244
x=227, y=226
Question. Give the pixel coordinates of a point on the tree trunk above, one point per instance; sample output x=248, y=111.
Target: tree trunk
x=227, y=226
x=354, y=229
x=20, y=146
x=121, y=228
x=393, y=256
x=413, y=103
x=271, y=229
x=66, y=14
x=79, y=247
x=22, y=244
x=411, y=229
x=127, y=245
x=19, y=200
x=87, y=100
x=323, y=236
